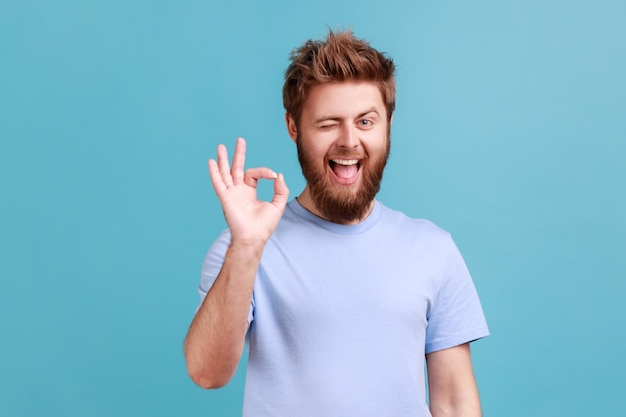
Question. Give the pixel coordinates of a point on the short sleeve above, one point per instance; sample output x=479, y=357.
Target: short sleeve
x=212, y=265
x=456, y=316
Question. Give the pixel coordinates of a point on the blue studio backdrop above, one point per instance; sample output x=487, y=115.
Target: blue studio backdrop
x=510, y=132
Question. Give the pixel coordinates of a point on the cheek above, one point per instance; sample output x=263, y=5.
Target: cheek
x=376, y=145
x=315, y=156
x=316, y=149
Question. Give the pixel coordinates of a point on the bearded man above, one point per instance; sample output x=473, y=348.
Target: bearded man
x=339, y=297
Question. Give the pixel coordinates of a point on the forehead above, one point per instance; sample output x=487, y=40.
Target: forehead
x=344, y=99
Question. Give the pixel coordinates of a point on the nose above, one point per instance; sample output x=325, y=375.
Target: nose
x=348, y=136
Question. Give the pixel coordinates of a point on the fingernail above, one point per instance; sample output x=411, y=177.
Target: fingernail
x=273, y=174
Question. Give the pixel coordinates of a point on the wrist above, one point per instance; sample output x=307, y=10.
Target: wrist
x=247, y=244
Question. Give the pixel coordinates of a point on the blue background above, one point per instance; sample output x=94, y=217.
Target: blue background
x=510, y=132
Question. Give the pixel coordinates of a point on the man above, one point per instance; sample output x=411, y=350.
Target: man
x=339, y=297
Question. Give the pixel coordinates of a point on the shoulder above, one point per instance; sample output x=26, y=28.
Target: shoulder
x=406, y=225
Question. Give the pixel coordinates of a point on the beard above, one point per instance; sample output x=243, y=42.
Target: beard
x=337, y=203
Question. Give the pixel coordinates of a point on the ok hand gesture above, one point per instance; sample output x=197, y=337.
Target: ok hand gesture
x=249, y=219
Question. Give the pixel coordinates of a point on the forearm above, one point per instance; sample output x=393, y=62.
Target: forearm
x=216, y=337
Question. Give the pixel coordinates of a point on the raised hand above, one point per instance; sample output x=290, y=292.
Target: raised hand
x=249, y=219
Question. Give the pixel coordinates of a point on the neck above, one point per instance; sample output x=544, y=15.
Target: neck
x=307, y=202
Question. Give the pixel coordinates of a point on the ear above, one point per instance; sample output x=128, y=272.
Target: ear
x=291, y=127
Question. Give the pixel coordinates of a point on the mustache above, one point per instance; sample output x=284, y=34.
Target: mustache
x=346, y=154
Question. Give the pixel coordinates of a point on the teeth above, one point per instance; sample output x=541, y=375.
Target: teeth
x=346, y=161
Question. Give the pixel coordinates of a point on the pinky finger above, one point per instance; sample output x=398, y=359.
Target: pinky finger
x=216, y=177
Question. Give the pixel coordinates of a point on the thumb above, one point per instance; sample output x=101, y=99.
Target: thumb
x=281, y=192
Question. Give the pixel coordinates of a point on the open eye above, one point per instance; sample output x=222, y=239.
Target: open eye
x=365, y=123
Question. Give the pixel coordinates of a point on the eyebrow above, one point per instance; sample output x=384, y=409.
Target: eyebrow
x=337, y=118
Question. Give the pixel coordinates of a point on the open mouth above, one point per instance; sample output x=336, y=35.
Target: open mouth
x=345, y=171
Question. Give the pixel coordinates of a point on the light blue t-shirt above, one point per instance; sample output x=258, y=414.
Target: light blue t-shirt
x=342, y=316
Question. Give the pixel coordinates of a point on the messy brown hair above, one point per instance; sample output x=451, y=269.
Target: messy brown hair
x=341, y=57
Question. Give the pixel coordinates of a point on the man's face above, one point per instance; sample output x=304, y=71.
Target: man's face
x=343, y=146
